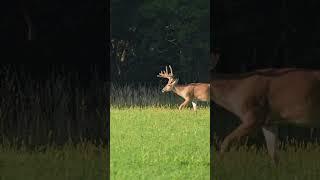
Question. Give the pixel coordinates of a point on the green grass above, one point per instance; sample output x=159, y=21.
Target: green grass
x=296, y=163
x=81, y=162
x=159, y=143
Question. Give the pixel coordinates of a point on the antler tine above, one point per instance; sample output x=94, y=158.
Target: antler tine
x=165, y=74
x=171, y=72
x=160, y=74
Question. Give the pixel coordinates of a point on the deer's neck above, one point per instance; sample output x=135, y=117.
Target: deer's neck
x=222, y=93
x=179, y=90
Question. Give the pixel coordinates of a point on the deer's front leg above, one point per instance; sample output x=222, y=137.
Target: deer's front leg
x=186, y=101
x=249, y=123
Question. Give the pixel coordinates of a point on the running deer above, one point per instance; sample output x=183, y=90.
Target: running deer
x=267, y=98
x=192, y=92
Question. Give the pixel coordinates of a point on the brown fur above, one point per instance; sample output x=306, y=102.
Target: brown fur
x=190, y=92
x=267, y=97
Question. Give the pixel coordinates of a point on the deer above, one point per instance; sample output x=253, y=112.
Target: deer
x=265, y=99
x=192, y=92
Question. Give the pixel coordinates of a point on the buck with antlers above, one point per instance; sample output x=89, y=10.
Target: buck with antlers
x=192, y=92
x=267, y=98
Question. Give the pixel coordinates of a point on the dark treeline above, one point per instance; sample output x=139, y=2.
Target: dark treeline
x=254, y=35
x=243, y=59
x=53, y=20
x=282, y=23
x=147, y=35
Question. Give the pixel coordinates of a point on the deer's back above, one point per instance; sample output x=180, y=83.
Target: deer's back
x=283, y=95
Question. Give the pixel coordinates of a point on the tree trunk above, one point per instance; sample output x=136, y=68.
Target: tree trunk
x=28, y=21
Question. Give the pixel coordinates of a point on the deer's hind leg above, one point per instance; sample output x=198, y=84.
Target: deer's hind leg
x=271, y=135
x=194, y=105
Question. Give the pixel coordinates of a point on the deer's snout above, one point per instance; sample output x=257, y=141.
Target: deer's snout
x=163, y=91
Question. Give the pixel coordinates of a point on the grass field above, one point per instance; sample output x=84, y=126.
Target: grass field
x=297, y=162
x=80, y=162
x=159, y=143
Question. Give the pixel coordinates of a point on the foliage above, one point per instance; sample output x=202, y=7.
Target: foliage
x=149, y=34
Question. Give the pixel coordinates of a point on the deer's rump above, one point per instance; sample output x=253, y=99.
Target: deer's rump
x=294, y=97
x=201, y=91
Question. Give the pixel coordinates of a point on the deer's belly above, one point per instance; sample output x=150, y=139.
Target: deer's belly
x=297, y=115
x=202, y=98
x=304, y=122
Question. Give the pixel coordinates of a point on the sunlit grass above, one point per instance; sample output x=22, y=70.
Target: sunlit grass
x=159, y=143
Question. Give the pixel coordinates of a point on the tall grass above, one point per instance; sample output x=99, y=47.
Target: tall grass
x=144, y=95
x=298, y=160
x=52, y=109
x=83, y=160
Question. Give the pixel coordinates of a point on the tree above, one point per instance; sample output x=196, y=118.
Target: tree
x=150, y=34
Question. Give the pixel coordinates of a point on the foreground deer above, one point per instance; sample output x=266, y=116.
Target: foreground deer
x=190, y=92
x=266, y=98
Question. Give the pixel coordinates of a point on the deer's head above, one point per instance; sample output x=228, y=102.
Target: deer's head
x=172, y=81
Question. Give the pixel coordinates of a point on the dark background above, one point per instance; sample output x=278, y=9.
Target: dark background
x=72, y=33
x=148, y=35
x=265, y=34
x=68, y=46
x=54, y=20
x=252, y=35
